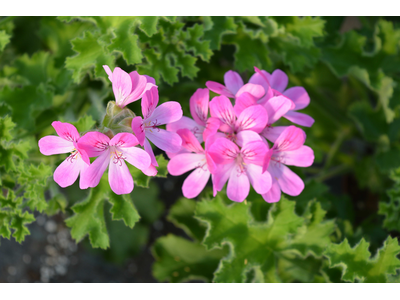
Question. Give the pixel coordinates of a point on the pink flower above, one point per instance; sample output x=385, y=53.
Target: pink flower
x=147, y=128
x=128, y=88
x=195, y=158
x=234, y=86
x=275, y=85
x=288, y=149
x=66, y=173
x=241, y=166
x=113, y=153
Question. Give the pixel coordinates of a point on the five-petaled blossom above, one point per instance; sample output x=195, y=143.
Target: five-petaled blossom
x=113, y=153
x=66, y=141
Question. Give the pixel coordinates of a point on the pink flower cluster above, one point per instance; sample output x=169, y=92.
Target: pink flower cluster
x=113, y=151
x=236, y=138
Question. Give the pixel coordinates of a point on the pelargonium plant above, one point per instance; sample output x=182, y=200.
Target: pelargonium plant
x=242, y=145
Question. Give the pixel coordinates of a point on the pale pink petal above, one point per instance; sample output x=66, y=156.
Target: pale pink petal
x=167, y=112
x=149, y=150
x=182, y=163
x=52, y=144
x=221, y=176
x=272, y=133
x=243, y=101
x=82, y=153
x=211, y=165
x=92, y=176
x=290, y=139
x=246, y=136
x=254, y=152
x=277, y=107
x=165, y=140
x=256, y=90
x=94, y=143
x=289, y=182
x=189, y=141
x=188, y=123
x=221, y=108
x=260, y=77
x=278, y=80
x=137, y=128
x=120, y=179
x=238, y=185
x=299, y=96
x=261, y=182
x=136, y=157
x=150, y=171
x=122, y=86
x=149, y=102
x=211, y=128
x=108, y=71
x=223, y=151
x=212, y=138
x=195, y=183
x=199, y=106
x=67, y=172
x=219, y=89
x=150, y=79
x=274, y=194
x=82, y=184
x=233, y=81
x=299, y=118
x=302, y=157
x=252, y=118
x=267, y=159
x=66, y=131
x=124, y=140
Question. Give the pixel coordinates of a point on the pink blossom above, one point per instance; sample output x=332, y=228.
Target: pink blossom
x=275, y=85
x=130, y=87
x=195, y=158
x=78, y=162
x=288, y=149
x=113, y=154
x=241, y=167
x=147, y=128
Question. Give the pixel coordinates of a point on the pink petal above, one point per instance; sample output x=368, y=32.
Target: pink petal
x=82, y=153
x=188, y=123
x=211, y=128
x=66, y=131
x=246, y=136
x=150, y=79
x=278, y=80
x=137, y=157
x=94, y=143
x=182, y=163
x=150, y=171
x=122, y=86
x=189, y=141
x=149, y=102
x=261, y=182
x=221, y=108
x=272, y=133
x=290, y=139
x=253, y=118
x=124, y=140
x=67, y=172
x=211, y=165
x=243, y=101
x=274, y=194
x=52, y=144
x=289, y=182
x=267, y=159
x=92, y=176
x=165, y=140
x=233, y=81
x=195, y=183
x=299, y=118
x=82, y=184
x=256, y=90
x=238, y=185
x=137, y=128
x=221, y=176
x=223, y=151
x=149, y=150
x=171, y=155
x=199, y=106
x=277, y=107
x=167, y=112
x=301, y=157
x=108, y=71
x=120, y=179
x=260, y=78
x=299, y=96
x=219, y=89
x=254, y=152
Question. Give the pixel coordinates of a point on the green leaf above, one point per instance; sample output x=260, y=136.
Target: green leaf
x=18, y=223
x=306, y=29
x=10, y=201
x=84, y=123
x=36, y=69
x=219, y=26
x=200, y=48
x=162, y=166
x=5, y=219
x=147, y=202
x=178, y=260
x=4, y=39
x=123, y=209
x=89, y=217
x=391, y=210
x=148, y=24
